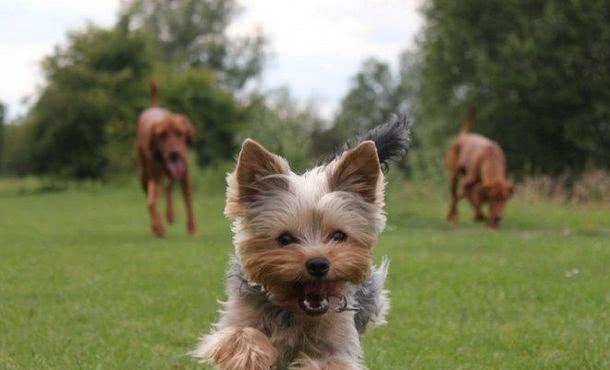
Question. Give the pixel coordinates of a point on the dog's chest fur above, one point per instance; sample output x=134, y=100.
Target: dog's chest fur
x=249, y=305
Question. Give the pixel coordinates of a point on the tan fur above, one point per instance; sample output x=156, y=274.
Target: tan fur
x=358, y=172
x=239, y=348
x=266, y=199
x=477, y=171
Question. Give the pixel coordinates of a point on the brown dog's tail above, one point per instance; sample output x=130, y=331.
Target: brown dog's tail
x=154, y=94
x=468, y=122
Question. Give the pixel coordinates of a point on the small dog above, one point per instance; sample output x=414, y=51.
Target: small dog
x=162, y=151
x=480, y=165
x=302, y=287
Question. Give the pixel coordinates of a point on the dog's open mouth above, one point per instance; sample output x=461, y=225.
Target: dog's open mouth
x=176, y=168
x=314, y=297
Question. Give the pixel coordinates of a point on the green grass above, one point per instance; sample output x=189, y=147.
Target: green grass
x=83, y=285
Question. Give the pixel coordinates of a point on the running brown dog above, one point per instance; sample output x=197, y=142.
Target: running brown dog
x=162, y=146
x=477, y=170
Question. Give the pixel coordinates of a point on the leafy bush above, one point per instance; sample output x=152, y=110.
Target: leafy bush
x=213, y=111
x=95, y=86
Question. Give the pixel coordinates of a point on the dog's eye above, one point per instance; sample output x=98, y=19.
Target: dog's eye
x=338, y=236
x=286, y=239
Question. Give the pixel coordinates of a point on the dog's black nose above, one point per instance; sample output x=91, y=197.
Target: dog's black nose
x=174, y=156
x=317, y=267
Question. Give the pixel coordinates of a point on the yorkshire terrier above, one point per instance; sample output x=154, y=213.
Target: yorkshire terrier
x=302, y=286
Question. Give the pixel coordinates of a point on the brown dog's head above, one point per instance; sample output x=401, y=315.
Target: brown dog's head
x=496, y=194
x=170, y=141
x=306, y=238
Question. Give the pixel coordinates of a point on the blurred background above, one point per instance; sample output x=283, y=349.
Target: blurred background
x=83, y=284
x=304, y=77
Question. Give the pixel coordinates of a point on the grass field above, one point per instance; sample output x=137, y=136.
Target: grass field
x=84, y=286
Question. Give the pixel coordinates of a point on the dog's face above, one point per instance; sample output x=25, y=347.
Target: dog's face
x=306, y=238
x=170, y=140
x=497, y=194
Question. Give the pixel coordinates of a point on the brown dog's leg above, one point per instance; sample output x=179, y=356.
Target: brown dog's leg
x=141, y=159
x=238, y=349
x=476, y=203
x=169, y=202
x=144, y=182
x=156, y=223
x=453, y=214
x=187, y=193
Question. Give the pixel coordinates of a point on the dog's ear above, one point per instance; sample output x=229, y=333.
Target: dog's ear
x=258, y=170
x=189, y=130
x=358, y=171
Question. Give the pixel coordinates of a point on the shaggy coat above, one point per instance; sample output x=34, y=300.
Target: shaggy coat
x=302, y=286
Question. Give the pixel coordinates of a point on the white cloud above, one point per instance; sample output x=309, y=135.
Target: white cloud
x=319, y=44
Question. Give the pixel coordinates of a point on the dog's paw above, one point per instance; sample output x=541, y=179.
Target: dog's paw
x=171, y=217
x=237, y=349
x=157, y=229
x=191, y=228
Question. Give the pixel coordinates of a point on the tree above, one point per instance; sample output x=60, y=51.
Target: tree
x=370, y=99
x=95, y=87
x=283, y=126
x=193, y=33
x=83, y=122
x=375, y=94
x=537, y=71
x=213, y=111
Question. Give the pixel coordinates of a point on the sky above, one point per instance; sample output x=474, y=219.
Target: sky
x=316, y=45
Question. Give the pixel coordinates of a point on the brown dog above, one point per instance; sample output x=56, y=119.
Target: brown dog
x=162, y=148
x=480, y=165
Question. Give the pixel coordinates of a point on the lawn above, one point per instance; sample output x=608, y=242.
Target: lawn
x=84, y=286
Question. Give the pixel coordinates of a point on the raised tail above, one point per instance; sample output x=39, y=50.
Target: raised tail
x=469, y=121
x=392, y=139
x=154, y=94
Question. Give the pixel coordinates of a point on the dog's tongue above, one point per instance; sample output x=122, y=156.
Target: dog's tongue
x=176, y=169
x=314, y=300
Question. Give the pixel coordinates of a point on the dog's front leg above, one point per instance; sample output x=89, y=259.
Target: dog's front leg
x=156, y=223
x=235, y=348
x=169, y=211
x=187, y=193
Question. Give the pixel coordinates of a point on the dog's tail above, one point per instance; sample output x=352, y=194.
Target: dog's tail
x=469, y=121
x=392, y=139
x=154, y=94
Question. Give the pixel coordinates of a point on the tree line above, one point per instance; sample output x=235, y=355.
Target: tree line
x=536, y=71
